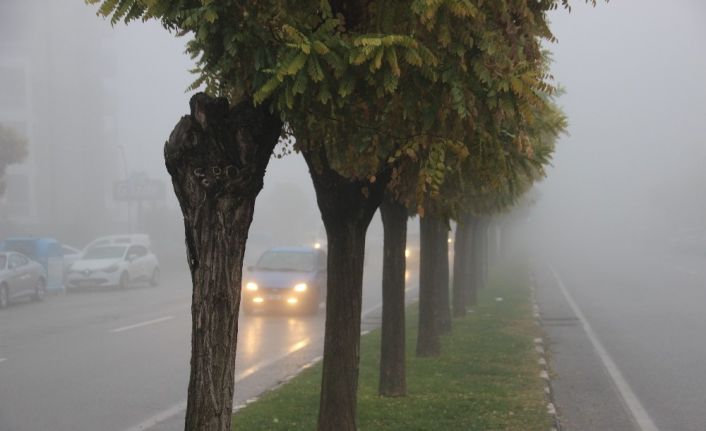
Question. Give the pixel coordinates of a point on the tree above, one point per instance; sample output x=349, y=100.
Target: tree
x=361, y=85
x=13, y=149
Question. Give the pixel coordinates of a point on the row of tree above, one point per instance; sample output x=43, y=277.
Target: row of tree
x=441, y=108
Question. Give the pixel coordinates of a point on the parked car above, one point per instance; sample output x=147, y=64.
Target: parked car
x=71, y=255
x=124, y=239
x=20, y=277
x=47, y=252
x=114, y=266
x=290, y=277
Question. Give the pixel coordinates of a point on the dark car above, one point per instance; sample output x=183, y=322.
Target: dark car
x=20, y=277
x=290, y=278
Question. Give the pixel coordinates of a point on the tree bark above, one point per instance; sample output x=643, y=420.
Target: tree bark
x=392, y=344
x=347, y=208
x=433, y=232
x=461, y=271
x=217, y=157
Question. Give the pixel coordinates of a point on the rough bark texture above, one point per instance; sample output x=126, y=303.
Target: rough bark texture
x=428, y=336
x=217, y=157
x=346, y=209
x=392, y=344
x=461, y=271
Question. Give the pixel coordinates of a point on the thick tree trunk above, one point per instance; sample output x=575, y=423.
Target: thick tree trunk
x=442, y=276
x=433, y=247
x=461, y=271
x=346, y=209
x=392, y=344
x=217, y=157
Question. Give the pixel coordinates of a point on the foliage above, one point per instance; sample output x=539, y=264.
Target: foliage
x=373, y=82
x=13, y=149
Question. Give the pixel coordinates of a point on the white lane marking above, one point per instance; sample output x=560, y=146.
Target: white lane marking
x=140, y=325
x=631, y=401
x=257, y=367
x=178, y=408
x=3, y=359
x=174, y=410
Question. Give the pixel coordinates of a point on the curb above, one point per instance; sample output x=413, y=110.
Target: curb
x=539, y=347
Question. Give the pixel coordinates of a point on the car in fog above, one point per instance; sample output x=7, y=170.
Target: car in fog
x=45, y=251
x=123, y=239
x=113, y=265
x=20, y=278
x=289, y=278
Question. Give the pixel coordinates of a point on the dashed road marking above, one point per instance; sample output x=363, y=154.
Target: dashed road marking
x=140, y=325
x=642, y=418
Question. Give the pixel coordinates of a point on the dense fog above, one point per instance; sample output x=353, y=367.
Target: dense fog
x=625, y=197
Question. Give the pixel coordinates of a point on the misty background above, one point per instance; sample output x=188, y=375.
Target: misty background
x=97, y=103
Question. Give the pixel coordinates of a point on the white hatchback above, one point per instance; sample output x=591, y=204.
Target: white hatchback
x=114, y=265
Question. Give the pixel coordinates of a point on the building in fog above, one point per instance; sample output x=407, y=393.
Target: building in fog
x=55, y=85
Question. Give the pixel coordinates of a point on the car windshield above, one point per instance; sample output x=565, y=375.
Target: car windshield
x=3, y=260
x=286, y=261
x=105, y=253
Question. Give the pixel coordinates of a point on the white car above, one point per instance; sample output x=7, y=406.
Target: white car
x=125, y=239
x=114, y=265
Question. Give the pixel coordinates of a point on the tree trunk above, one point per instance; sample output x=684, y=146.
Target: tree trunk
x=442, y=276
x=392, y=344
x=484, y=252
x=430, y=284
x=346, y=209
x=461, y=271
x=217, y=157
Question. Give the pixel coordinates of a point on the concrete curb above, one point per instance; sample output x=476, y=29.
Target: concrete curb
x=542, y=361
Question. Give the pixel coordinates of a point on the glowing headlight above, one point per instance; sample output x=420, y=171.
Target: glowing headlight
x=251, y=286
x=300, y=287
x=406, y=252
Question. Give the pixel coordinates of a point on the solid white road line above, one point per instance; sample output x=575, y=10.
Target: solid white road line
x=631, y=401
x=180, y=407
x=140, y=325
x=3, y=359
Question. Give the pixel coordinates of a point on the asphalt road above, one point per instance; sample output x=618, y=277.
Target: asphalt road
x=119, y=360
x=646, y=307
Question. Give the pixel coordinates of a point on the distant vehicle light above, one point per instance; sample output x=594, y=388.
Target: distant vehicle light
x=258, y=300
x=252, y=287
x=292, y=301
x=301, y=287
x=449, y=240
x=317, y=245
x=406, y=252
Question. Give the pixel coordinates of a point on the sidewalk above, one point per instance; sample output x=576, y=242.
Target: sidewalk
x=586, y=398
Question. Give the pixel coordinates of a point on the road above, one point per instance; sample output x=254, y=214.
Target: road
x=645, y=305
x=118, y=360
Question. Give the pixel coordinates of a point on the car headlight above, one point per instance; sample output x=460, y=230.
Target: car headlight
x=251, y=286
x=300, y=287
x=112, y=268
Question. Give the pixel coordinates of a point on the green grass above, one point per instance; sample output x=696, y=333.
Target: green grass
x=487, y=377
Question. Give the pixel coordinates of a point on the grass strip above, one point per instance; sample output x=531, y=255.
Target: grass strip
x=487, y=377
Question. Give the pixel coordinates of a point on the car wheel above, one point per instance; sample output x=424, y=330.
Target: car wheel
x=40, y=290
x=154, y=281
x=4, y=296
x=124, y=280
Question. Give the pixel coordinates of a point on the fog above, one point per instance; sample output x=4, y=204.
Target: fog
x=624, y=198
